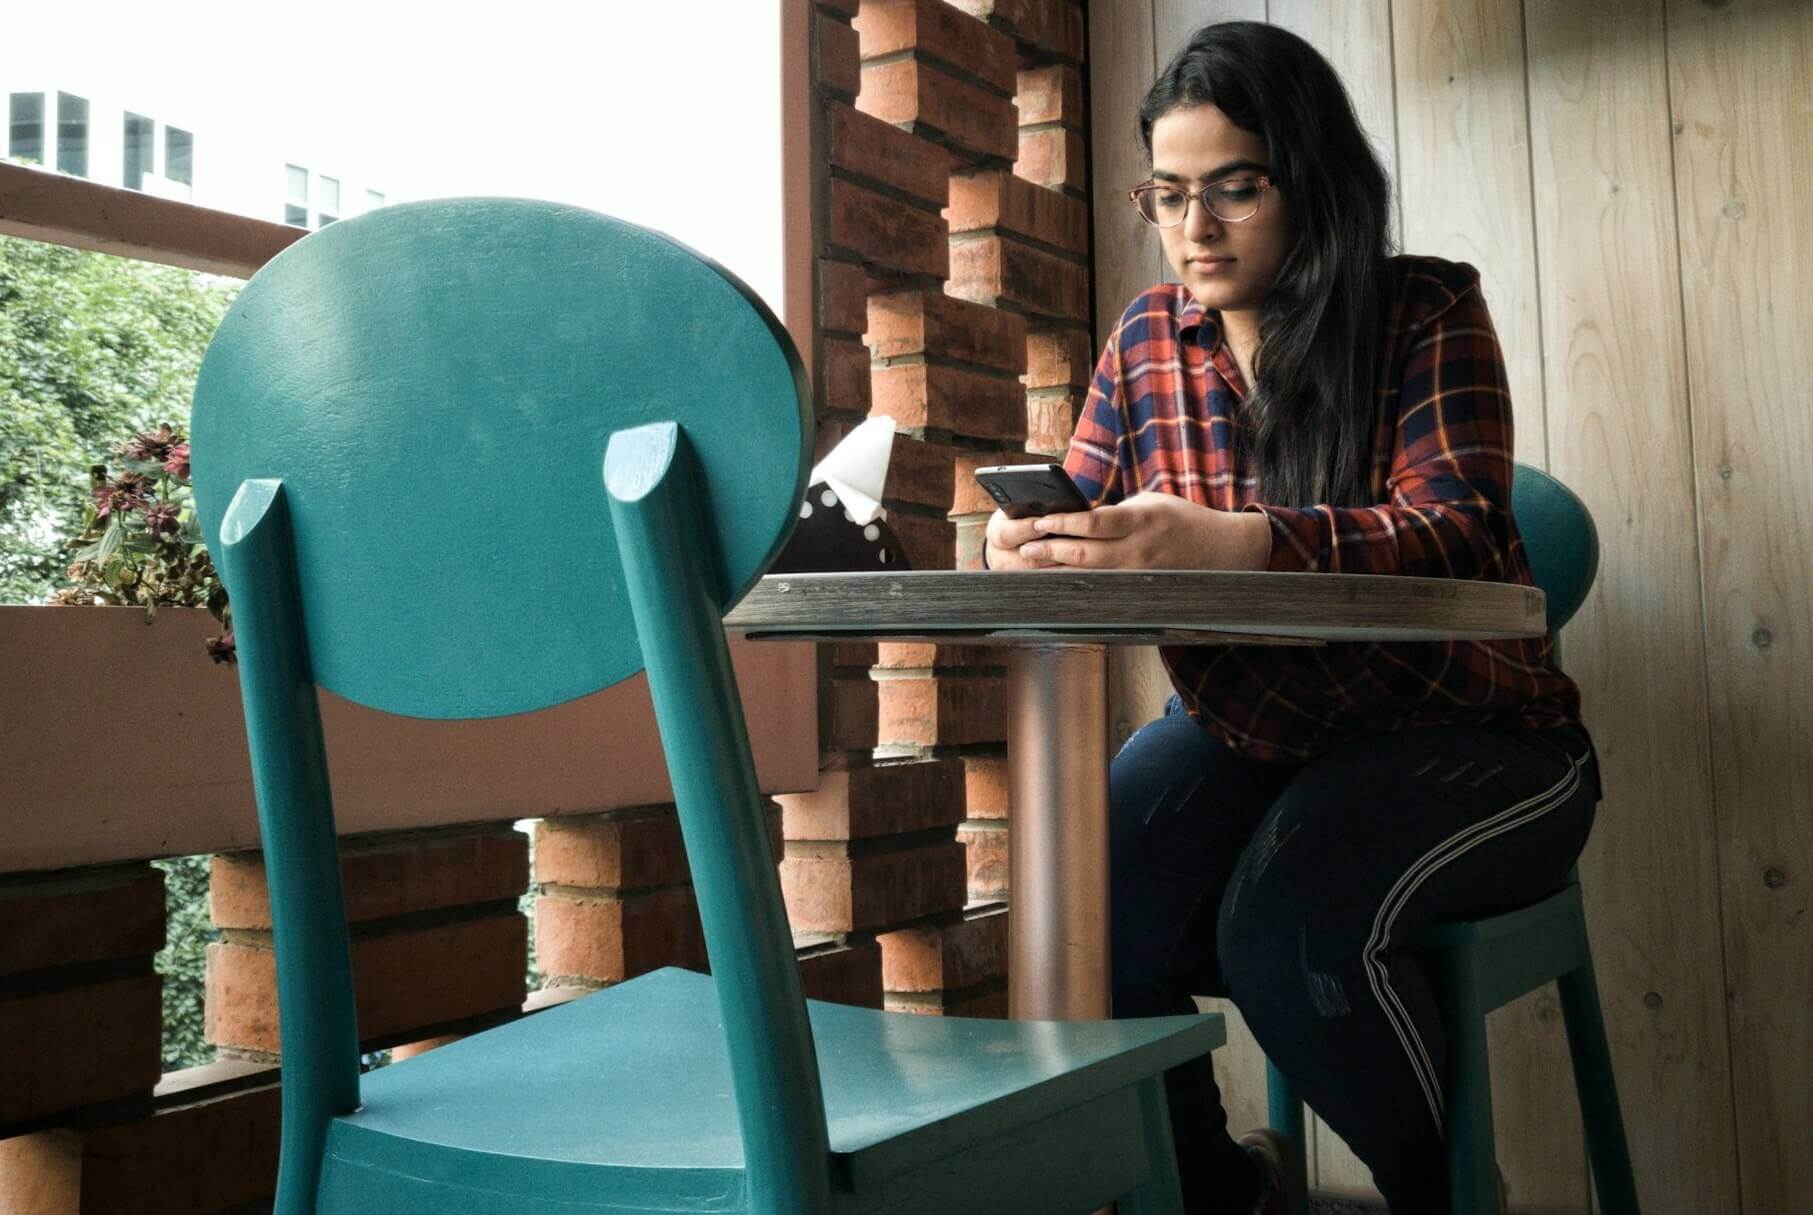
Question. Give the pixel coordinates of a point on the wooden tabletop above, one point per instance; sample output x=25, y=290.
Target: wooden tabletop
x=1134, y=607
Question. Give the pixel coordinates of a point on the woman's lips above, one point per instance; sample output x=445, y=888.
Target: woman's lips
x=1211, y=265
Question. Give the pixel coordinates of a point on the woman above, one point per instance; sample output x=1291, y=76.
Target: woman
x=1301, y=400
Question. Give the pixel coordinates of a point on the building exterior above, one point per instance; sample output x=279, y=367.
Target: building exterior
x=87, y=135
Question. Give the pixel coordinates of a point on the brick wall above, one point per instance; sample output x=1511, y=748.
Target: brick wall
x=953, y=295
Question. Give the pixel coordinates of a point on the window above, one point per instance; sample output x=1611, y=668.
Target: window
x=139, y=144
x=25, y=138
x=72, y=134
x=295, y=194
x=373, y=200
x=327, y=206
x=179, y=155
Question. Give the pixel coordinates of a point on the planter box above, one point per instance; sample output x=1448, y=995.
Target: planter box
x=122, y=741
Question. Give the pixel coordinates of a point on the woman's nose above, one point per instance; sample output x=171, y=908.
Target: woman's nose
x=1200, y=223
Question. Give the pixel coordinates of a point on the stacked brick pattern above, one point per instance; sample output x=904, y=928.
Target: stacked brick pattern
x=953, y=296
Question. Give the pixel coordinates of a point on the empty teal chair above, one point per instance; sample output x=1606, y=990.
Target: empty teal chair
x=1480, y=965
x=468, y=458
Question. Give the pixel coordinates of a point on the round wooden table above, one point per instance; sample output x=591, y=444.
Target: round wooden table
x=1057, y=626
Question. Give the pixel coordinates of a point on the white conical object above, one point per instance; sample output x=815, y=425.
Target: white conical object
x=857, y=468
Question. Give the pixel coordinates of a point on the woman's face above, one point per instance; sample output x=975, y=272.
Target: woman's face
x=1226, y=266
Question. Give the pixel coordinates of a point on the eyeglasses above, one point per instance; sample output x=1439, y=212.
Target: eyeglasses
x=1231, y=200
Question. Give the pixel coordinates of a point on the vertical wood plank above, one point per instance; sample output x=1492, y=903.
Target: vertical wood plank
x=1464, y=173
x=1619, y=435
x=1127, y=258
x=1741, y=80
x=1355, y=36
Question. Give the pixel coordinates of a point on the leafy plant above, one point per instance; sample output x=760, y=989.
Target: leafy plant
x=183, y=961
x=140, y=543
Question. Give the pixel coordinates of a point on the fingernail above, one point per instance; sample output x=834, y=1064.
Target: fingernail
x=1041, y=525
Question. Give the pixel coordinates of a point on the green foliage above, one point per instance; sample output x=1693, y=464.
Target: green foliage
x=92, y=347
x=183, y=960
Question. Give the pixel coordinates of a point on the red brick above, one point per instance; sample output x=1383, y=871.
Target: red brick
x=865, y=146
x=978, y=126
x=85, y=915
x=213, y=1154
x=970, y=498
x=1006, y=272
x=842, y=972
x=402, y=981
x=910, y=655
x=1053, y=93
x=844, y=378
x=389, y=875
x=921, y=472
x=1054, y=158
x=60, y=1050
x=943, y=710
x=843, y=297
x=829, y=891
x=854, y=711
x=607, y=940
x=1041, y=27
x=949, y=398
x=935, y=30
x=838, y=54
x=948, y=952
x=929, y=543
x=1059, y=358
x=985, y=844
x=1051, y=418
x=943, y=327
x=998, y=200
x=889, y=235
x=863, y=802
x=967, y=548
x=985, y=788
x=625, y=849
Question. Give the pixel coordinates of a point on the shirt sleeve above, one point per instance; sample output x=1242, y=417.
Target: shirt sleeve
x=1101, y=449
x=1449, y=488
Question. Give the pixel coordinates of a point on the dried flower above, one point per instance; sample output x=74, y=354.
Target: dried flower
x=163, y=519
x=223, y=648
x=176, y=463
x=152, y=446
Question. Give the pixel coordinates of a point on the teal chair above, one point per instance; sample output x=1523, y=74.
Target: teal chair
x=1480, y=965
x=468, y=458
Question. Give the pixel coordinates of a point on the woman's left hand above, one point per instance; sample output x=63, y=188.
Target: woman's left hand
x=1153, y=532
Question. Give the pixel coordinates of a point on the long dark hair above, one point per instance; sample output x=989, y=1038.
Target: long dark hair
x=1313, y=409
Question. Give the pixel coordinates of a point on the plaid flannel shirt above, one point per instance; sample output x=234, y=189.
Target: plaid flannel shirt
x=1163, y=415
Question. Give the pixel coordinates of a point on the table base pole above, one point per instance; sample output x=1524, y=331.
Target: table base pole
x=1057, y=771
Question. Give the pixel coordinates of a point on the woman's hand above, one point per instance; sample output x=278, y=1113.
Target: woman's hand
x=1145, y=532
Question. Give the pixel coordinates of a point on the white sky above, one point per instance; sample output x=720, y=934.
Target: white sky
x=667, y=115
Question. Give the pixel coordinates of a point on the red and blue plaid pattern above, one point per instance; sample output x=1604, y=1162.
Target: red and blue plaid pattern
x=1163, y=415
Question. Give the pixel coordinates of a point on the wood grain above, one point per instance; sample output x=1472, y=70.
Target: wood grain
x=1739, y=77
x=1136, y=604
x=1463, y=166
x=1617, y=399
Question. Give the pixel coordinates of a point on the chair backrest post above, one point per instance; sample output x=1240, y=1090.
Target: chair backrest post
x=317, y=1020
x=1560, y=541
x=656, y=512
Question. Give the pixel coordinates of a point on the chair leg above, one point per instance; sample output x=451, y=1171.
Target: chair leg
x=1472, y=1150
x=1597, y=1087
x=1284, y=1113
x=1161, y=1193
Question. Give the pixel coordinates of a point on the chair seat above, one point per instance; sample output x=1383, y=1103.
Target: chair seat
x=626, y=1094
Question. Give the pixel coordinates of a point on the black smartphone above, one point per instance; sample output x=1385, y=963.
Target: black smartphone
x=1025, y=490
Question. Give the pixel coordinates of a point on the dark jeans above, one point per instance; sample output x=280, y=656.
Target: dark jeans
x=1292, y=889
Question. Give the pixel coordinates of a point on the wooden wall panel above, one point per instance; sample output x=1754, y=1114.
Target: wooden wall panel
x=1464, y=170
x=1741, y=79
x=1619, y=434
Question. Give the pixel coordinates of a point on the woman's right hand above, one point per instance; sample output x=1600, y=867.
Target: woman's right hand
x=1003, y=540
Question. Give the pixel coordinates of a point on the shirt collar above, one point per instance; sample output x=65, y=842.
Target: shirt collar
x=1197, y=324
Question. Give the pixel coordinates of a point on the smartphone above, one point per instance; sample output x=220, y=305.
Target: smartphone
x=1025, y=490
